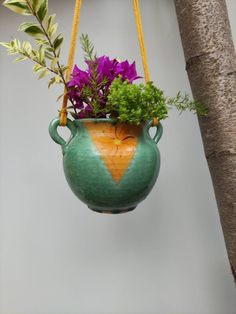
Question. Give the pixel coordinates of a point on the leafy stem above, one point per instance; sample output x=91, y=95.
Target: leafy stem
x=37, y=61
x=88, y=48
x=49, y=41
x=182, y=102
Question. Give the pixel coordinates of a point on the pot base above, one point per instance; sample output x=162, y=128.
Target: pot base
x=113, y=211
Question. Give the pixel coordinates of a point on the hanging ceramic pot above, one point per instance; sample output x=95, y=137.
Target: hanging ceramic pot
x=110, y=166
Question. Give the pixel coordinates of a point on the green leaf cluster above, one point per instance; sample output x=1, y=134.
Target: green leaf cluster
x=136, y=103
x=46, y=52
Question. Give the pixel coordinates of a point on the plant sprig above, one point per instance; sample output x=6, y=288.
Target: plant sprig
x=183, y=102
x=87, y=47
x=48, y=42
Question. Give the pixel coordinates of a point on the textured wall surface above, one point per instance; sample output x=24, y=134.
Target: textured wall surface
x=56, y=256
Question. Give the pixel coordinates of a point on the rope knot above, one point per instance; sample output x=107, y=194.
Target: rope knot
x=155, y=121
x=63, y=117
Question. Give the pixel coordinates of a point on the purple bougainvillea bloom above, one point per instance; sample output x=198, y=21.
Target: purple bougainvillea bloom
x=81, y=115
x=106, y=69
x=78, y=104
x=127, y=71
x=110, y=69
x=79, y=78
x=88, y=108
x=96, y=80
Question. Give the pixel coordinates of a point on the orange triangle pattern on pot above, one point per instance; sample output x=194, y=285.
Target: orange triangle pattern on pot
x=116, y=145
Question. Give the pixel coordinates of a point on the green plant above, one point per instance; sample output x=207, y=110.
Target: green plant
x=135, y=104
x=46, y=52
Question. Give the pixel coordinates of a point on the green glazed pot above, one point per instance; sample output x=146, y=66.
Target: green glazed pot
x=110, y=166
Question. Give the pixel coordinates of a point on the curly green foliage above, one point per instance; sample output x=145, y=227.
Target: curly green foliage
x=136, y=103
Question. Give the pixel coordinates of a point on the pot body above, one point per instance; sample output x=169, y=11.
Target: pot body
x=109, y=166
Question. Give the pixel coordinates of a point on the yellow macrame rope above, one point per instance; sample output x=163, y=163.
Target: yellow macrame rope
x=78, y=3
x=63, y=112
x=141, y=39
x=138, y=20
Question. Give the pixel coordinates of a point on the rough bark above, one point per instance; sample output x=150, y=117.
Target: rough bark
x=211, y=66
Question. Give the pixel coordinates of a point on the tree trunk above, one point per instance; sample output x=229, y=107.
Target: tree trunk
x=211, y=66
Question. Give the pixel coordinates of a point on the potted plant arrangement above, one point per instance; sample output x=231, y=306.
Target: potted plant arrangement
x=110, y=161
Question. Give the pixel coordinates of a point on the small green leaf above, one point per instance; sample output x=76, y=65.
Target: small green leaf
x=34, y=53
x=16, y=43
x=53, y=64
x=20, y=59
x=52, y=30
x=41, y=54
x=5, y=44
x=64, y=68
x=43, y=74
x=35, y=4
x=49, y=49
x=51, y=82
x=43, y=10
x=60, y=97
x=58, y=42
x=31, y=29
x=37, y=68
x=40, y=41
x=12, y=52
x=19, y=6
x=26, y=46
x=50, y=21
x=49, y=55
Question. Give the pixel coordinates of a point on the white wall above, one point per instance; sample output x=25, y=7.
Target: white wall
x=56, y=256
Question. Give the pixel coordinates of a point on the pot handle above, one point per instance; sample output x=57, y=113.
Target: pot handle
x=159, y=130
x=54, y=134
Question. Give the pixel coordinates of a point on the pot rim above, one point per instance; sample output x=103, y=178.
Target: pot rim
x=96, y=120
x=108, y=120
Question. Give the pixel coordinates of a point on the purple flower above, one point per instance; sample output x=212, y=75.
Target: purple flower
x=92, y=85
x=87, y=112
x=79, y=78
x=106, y=69
x=127, y=71
x=111, y=69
